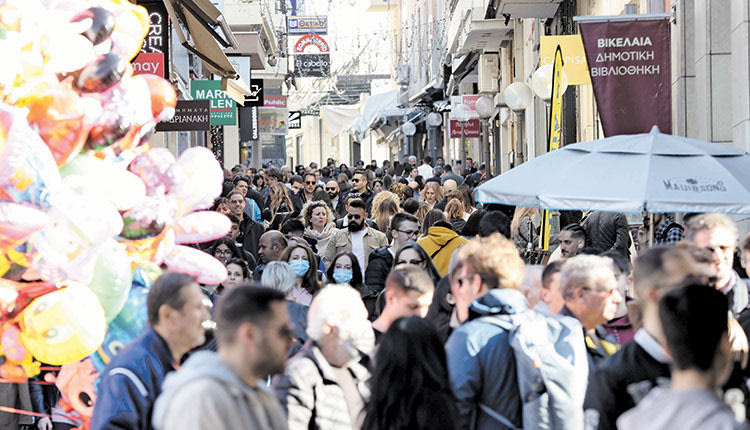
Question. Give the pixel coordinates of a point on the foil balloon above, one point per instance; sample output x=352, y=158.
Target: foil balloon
x=112, y=278
x=201, y=227
x=163, y=97
x=55, y=331
x=195, y=180
x=102, y=24
x=28, y=171
x=206, y=269
x=18, y=222
x=96, y=179
x=131, y=27
x=102, y=74
x=151, y=167
x=58, y=115
x=19, y=365
x=75, y=381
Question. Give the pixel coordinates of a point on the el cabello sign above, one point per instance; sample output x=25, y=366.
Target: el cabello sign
x=629, y=64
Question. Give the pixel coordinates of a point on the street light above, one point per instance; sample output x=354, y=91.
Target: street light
x=462, y=113
x=485, y=108
x=541, y=82
x=518, y=97
x=409, y=130
x=434, y=120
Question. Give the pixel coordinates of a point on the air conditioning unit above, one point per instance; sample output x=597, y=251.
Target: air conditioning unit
x=402, y=74
x=489, y=72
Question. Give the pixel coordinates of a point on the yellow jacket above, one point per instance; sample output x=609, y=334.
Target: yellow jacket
x=445, y=238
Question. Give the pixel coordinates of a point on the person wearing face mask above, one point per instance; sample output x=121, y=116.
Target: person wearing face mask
x=345, y=270
x=329, y=363
x=303, y=262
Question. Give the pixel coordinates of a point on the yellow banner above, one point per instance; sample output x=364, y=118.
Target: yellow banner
x=555, y=132
x=576, y=66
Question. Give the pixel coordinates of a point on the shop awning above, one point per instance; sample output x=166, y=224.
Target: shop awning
x=432, y=91
x=203, y=22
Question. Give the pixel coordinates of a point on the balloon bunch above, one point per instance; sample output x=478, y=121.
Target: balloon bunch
x=88, y=211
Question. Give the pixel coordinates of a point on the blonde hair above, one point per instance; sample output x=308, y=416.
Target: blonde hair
x=279, y=195
x=454, y=209
x=519, y=214
x=385, y=204
x=308, y=208
x=496, y=259
x=435, y=187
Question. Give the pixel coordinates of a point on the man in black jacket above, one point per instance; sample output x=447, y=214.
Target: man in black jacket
x=250, y=230
x=608, y=231
x=360, y=189
x=404, y=227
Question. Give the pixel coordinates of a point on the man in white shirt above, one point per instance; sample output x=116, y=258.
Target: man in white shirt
x=357, y=237
x=425, y=170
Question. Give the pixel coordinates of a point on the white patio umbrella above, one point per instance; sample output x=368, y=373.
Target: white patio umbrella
x=629, y=173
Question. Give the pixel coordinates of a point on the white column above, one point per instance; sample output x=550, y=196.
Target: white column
x=684, y=106
x=740, y=35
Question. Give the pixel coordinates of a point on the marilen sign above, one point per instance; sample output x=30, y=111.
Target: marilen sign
x=223, y=108
x=630, y=68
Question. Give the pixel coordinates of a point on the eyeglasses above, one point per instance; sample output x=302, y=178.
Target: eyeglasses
x=310, y=182
x=409, y=233
x=330, y=188
x=412, y=262
x=354, y=216
x=225, y=252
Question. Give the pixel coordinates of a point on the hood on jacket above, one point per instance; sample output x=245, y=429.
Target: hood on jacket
x=202, y=364
x=381, y=252
x=441, y=235
x=498, y=301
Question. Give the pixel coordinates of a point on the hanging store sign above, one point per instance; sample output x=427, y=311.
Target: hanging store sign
x=274, y=100
x=630, y=68
x=190, y=115
x=223, y=108
x=312, y=65
x=471, y=128
x=299, y=25
x=294, y=120
x=256, y=93
x=157, y=39
x=149, y=62
x=249, y=127
x=272, y=121
x=574, y=56
x=311, y=40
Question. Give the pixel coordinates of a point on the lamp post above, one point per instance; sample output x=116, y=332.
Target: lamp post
x=461, y=113
x=409, y=130
x=518, y=97
x=485, y=108
x=434, y=120
x=541, y=82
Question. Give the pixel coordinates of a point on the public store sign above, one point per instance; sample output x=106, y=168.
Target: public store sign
x=630, y=68
x=299, y=25
x=223, y=108
x=312, y=65
x=190, y=115
x=273, y=100
x=471, y=128
x=574, y=56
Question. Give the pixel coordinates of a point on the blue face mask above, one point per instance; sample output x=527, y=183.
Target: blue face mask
x=300, y=267
x=342, y=276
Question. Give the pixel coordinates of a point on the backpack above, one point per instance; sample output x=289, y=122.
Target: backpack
x=551, y=369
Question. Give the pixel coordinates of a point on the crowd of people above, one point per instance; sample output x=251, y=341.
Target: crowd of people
x=383, y=297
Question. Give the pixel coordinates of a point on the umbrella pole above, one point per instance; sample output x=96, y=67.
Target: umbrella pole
x=650, y=230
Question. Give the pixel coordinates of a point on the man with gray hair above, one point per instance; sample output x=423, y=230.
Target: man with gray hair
x=280, y=276
x=531, y=287
x=589, y=288
x=718, y=234
x=324, y=385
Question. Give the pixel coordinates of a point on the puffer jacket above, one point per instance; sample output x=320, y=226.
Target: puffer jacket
x=310, y=395
x=378, y=268
x=481, y=363
x=608, y=231
x=442, y=242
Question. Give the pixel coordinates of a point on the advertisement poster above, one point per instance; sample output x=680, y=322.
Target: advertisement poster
x=272, y=121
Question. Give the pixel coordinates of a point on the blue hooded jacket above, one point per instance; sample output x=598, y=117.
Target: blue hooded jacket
x=482, y=365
